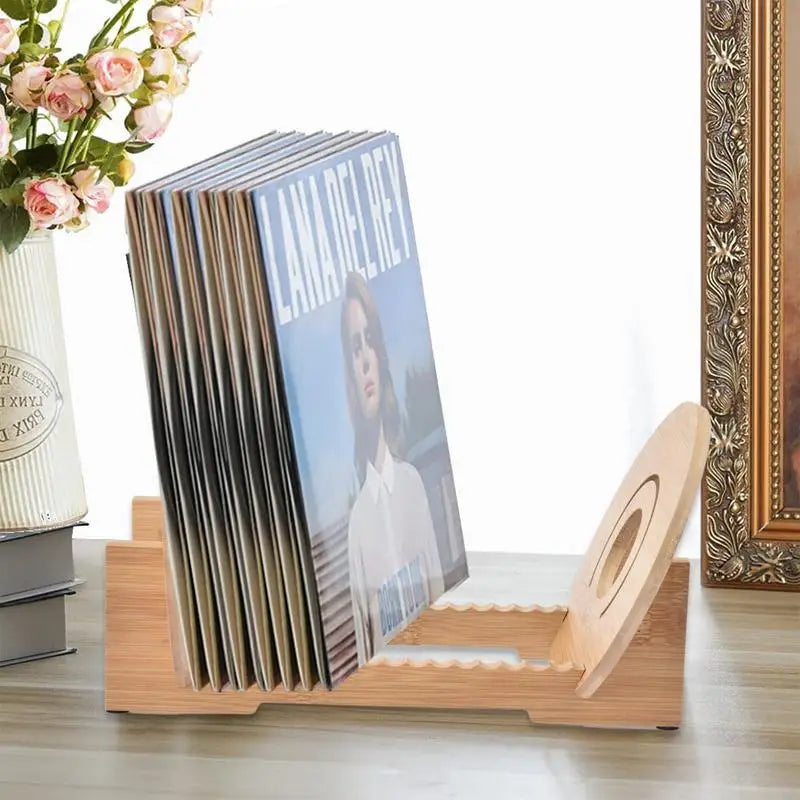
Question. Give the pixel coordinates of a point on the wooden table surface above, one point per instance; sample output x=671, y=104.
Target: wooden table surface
x=741, y=734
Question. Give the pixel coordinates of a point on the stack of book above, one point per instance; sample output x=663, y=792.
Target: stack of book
x=310, y=507
x=36, y=576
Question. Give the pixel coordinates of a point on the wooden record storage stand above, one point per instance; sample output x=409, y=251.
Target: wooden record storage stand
x=614, y=657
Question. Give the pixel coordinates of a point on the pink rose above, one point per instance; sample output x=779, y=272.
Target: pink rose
x=27, y=85
x=177, y=82
x=170, y=25
x=189, y=49
x=115, y=72
x=67, y=96
x=92, y=189
x=9, y=41
x=5, y=134
x=160, y=67
x=152, y=120
x=196, y=7
x=160, y=62
x=50, y=201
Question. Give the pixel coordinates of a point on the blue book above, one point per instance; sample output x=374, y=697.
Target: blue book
x=366, y=450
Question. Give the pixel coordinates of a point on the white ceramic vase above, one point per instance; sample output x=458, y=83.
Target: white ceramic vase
x=41, y=485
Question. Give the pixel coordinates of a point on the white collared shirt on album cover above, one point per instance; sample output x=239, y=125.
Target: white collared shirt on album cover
x=394, y=559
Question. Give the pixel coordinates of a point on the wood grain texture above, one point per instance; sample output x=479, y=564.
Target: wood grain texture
x=646, y=690
x=633, y=548
x=529, y=630
x=739, y=738
x=147, y=519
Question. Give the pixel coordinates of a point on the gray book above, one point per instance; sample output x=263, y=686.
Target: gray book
x=31, y=562
x=33, y=629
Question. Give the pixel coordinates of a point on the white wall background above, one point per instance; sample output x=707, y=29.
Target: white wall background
x=553, y=157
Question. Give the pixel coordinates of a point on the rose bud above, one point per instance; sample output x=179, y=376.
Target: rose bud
x=28, y=84
x=92, y=189
x=77, y=223
x=196, y=7
x=170, y=25
x=9, y=41
x=152, y=120
x=125, y=169
x=163, y=72
x=189, y=49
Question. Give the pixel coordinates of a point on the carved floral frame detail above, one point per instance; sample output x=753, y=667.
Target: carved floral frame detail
x=749, y=538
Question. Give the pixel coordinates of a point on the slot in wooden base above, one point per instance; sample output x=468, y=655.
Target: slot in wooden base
x=644, y=690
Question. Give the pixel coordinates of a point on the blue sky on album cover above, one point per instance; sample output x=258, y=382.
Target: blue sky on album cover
x=310, y=344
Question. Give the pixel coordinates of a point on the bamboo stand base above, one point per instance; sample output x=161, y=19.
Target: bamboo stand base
x=645, y=689
x=613, y=658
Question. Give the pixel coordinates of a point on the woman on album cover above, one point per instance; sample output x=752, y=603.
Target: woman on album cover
x=394, y=562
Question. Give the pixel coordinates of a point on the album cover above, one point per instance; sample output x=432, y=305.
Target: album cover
x=361, y=394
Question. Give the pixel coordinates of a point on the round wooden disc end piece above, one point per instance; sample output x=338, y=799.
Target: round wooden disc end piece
x=633, y=547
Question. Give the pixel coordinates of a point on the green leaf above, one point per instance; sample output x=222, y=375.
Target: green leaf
x=24, y=35
x=142, y=94
x=138, y=147
x=39, y=159
x=74, y=62
x=12, y=195
x=14, y=226
x=16, y=9
x=53, y=26
x=46, y=6
x=101, y=151
x=98, y=149
x=9, y=172
x=20, y=122
x=31, y=50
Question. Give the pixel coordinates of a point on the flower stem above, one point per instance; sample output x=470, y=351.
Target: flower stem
x=31, y=135
x=131, y=32
x=83, y=151
x=67, y=146
x=111, y=23
x=55, y=38
x=124, y=24
x=84, y=132
x=32, y=23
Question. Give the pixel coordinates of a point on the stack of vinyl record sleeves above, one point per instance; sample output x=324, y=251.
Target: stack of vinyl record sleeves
x=310, y=507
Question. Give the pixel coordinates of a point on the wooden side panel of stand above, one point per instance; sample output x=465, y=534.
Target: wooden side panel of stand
x=645, y=690
x=147, y=519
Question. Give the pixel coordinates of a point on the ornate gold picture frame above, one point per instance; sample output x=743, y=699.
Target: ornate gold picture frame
x=750, y=287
